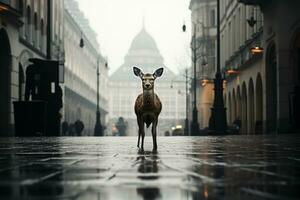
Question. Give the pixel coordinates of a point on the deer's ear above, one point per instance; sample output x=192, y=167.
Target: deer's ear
x=158, y=72
x=137, y=72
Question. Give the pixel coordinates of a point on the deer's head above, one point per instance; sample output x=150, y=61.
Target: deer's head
x=148, y=79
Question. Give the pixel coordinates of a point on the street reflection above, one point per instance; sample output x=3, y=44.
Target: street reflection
x=218, y=168
x=148, y=170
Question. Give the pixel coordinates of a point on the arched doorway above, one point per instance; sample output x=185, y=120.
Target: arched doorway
x=251, y=107
x=296, y=59
x=271, y=89
x=294, y=96
x=234, y=105
x=229, y=109
x=258, y=105
x=239, y=107
x=244, y=109
x=5, y=79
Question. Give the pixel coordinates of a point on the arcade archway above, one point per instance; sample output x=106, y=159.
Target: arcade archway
x=258, y=105
x=251, y=107
x=5, y=80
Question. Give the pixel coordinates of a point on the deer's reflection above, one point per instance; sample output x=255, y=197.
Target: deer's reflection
x=148, y=172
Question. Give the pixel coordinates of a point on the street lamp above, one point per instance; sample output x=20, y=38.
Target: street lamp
x=98, y=127
x=194, y=123
x=256, y=50
x=218, y=122
x=81, y=42
x=49, y=31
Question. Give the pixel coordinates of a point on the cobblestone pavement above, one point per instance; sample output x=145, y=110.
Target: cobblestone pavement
x=231, y=167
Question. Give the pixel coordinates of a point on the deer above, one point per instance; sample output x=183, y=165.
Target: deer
x=147, y=106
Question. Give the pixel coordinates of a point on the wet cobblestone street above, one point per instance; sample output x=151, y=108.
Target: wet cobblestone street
x=231, y=167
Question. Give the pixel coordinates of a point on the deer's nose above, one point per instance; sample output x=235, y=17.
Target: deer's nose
x=147, y=85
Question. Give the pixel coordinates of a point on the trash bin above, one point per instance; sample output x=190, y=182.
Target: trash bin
x=30, y=118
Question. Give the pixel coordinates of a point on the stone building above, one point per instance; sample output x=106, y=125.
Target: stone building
x=80, y=88
x=125, y=87
x=23, y=26
x=244, y=96
x=204, y=29
x=269, y=86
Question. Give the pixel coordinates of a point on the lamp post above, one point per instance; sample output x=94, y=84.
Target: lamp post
x=98, y=127
x=186, y=121
x=194, y=124
x=218, y=122
x=49, y=21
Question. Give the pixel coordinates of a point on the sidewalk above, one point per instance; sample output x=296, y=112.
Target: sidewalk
x=231, y=167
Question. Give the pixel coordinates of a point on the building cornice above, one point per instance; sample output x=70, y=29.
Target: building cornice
x=76, y=26
x=32, y=48
x=81, y=98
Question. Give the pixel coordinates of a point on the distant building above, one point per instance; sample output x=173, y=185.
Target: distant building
x=125, y=87
x=22, y=36
x=204, y=28
x=80, y=88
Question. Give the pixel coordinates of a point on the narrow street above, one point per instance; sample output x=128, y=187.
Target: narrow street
x=230, y=167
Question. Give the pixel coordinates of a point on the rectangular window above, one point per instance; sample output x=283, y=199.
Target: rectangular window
x=212, y=18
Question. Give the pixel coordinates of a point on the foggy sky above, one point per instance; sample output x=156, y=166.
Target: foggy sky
x=118, y=21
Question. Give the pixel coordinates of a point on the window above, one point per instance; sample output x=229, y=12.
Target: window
x=28, y=24
x=21, y=7
x=35, y=30
x=41, y=43
x=212, y=18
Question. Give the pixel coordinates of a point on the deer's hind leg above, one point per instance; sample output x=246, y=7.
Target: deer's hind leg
x=139, y=131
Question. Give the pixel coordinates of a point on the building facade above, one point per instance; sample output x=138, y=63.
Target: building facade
x=204, y=29
x=23, y=26
x=280, y=65
x=125, y=87
x=81, y=63
x=244, y=90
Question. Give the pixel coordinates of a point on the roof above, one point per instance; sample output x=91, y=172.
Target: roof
x=143, y=40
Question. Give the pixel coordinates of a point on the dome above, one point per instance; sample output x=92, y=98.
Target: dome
x=143, y=53
x=143, y=40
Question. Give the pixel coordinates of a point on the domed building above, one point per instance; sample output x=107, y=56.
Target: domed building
x=125, y=87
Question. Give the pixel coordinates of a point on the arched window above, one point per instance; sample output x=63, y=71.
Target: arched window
x=213, y=17
x=28, y=23
x=21, y=11
x=21, y=7
x=41, y=43
x=35, y=30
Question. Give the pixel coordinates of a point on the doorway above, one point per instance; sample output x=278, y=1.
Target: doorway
x=5, y=68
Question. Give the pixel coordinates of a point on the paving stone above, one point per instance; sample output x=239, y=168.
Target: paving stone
x=87, y=168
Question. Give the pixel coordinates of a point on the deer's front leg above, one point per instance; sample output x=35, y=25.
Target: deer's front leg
x=154, y=125
x=142, y=133
x=138, y=143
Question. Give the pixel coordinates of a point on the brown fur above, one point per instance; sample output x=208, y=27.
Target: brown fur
x=147, y=106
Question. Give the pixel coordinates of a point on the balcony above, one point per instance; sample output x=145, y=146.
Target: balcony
x=7, y=2
x=251, y=2
x=9, y=13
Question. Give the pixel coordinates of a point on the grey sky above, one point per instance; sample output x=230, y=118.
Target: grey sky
x=118, y=21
